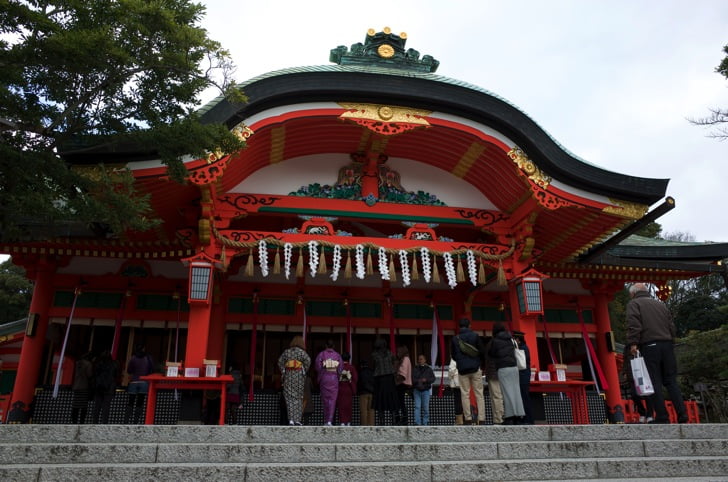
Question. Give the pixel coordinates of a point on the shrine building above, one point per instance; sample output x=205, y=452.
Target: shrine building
x=375, y=198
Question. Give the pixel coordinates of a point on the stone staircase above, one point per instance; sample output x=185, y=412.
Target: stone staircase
x=247, y=453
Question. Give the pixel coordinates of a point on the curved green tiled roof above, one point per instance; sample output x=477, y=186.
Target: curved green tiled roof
x=383, y=71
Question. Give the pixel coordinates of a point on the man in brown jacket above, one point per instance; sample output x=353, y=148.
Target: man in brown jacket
x=650, y=330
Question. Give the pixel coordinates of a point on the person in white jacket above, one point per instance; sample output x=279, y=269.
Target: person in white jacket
x=452, y=374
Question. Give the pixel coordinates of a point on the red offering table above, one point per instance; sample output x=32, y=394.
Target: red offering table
x=160, y=382
x=575, y=390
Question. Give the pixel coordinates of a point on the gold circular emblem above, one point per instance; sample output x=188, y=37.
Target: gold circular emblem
x=387, y=30
x=386, y=51
x=403, y=35
x=371, y=32
x=385, y=112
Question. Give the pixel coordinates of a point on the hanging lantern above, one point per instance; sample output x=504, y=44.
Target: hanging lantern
x=530, y=293
x=201, y=268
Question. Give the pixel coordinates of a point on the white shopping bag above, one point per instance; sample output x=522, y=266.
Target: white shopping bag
x=642, y=382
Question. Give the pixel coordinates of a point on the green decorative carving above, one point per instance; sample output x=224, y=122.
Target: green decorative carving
x=353, y=192
x=384, y=49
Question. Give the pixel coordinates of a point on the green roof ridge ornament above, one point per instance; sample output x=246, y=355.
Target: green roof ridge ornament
x=384, y=49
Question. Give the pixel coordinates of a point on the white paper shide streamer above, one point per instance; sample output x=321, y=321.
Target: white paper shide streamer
x=313, y=257
x=287, y=251
x=337, y=263
x=360, y=268
x=263, y=257
x=472, y=268
x=383, y=268
x=450, y=270
x=426, y=265
x=404, y=263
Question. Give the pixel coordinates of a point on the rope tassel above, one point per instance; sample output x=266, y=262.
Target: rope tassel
x=299, y=264
x=415, y=272
x=277, y=262
x=250, y=266
x=392, y=272
x=347, y=268
x=501, y=279
x=322, y=262
x=460, y=276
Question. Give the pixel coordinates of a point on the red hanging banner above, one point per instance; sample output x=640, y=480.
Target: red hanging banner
x=390, y=312
x=592, y=352
x=548, y=339
x=348, y=328
x=253, y=344
x=117, y=327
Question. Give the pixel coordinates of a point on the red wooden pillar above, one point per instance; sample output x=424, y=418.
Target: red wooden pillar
x=526, y=324
x=216, y=340
x=31, y=352
x=198, y=334
x=607, y=358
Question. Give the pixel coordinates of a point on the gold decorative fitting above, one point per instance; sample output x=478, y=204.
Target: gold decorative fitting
x=626, y=209
x=384, y=113
x=385, y=51
x=387, y=30
x=529, y=168
x=242, y=132
x=371, y=32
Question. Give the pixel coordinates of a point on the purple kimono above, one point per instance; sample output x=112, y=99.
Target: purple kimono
x=328, y=365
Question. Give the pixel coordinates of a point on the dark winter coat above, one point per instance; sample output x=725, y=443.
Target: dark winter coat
x=422, y=377
x=502, y=350
x=466, y=363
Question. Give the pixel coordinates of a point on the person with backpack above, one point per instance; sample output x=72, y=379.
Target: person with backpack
x=467, y=351
x=139, y=365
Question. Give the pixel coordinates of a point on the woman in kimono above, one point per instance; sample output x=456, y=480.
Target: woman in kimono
x=347, y=389
x=328, y=364
x=294, y=362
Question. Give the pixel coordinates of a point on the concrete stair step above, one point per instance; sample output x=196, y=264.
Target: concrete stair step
x=276, y=434
x=75, y=453
x=713, y=468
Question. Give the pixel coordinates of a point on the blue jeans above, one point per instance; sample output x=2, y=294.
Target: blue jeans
x=422, y=406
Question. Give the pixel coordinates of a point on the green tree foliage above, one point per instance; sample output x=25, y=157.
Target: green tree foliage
x=15, y=292
x=102, y=74
x=718, y=118
x=702, y=358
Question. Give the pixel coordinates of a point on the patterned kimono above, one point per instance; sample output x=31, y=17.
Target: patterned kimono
x=347, y=389
x=328, y=364
x=294, y=363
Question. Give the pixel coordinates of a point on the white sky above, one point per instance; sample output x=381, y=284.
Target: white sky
x=611, y=81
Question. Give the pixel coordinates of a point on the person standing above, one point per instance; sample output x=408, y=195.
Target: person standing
x=494, y=388
x=139, y=365
x=105, y=372
x=82, y=390
x=467, y=350
x=503, y=351
x=524, y=379
x=385, y=391
x=651, y=331
x=347, y=389
x=403, y=380
x=365, y=389
x=423, y=377
x=452, y=375
x=234, y=396
x=328, y=365
x=294, y=363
